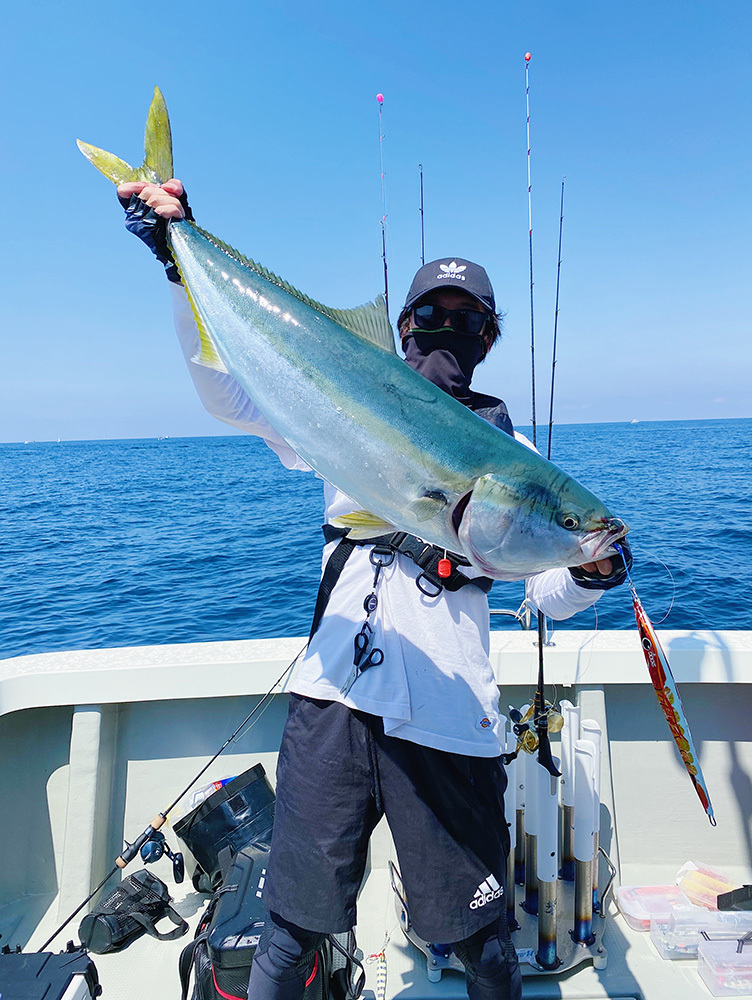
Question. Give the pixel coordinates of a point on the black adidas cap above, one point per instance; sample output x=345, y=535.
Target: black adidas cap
x=451, y=272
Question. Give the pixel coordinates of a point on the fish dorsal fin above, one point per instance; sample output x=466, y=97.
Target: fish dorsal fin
x=157, y=165
x=369, y=321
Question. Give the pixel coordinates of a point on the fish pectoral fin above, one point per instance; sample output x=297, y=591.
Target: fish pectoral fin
x=363, y=524
x=431, y=504
x=157, y=165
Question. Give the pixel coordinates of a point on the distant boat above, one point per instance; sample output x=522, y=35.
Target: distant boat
x=634, y=421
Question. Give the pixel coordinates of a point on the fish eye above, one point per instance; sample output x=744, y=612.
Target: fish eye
x=569, y=521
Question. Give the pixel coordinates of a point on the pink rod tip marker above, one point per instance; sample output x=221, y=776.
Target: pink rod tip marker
x=527, y=57
x=380, y=98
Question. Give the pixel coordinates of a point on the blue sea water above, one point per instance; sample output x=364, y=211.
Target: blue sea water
x=119, y=543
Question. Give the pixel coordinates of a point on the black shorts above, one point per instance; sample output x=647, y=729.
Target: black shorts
x=337, y=775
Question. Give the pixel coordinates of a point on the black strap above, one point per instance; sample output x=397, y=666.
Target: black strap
x=149, y=924
x=186, y=960
x=332, y=572
x=423, y=554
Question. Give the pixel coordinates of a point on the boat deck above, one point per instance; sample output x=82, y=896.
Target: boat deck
x=95, y=743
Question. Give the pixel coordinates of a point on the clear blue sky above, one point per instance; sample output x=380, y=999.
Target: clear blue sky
x=645, y=107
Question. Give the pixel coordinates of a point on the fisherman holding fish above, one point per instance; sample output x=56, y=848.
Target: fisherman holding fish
x=407, y=725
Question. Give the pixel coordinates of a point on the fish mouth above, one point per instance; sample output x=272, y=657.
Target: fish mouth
x=595, y=543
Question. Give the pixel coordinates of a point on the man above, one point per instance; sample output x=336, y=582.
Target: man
x=394, y=708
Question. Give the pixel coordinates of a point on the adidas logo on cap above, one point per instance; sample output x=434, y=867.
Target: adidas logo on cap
x=487, y=891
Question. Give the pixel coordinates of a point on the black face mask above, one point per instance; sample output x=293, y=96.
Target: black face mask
x=445, y=359
x=449, y=362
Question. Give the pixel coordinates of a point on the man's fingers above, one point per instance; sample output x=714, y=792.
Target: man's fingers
x=131, y=188
x=164, y=204
x=604, y=567
x=173, y=186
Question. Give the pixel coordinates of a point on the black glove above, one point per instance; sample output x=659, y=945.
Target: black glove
x=151, y=229
x=617, y=576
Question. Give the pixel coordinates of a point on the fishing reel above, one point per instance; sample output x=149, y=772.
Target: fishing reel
x=532, y=730
x=155, y=847
x=525, y=726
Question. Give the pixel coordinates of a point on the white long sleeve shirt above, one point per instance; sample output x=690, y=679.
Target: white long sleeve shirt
x=435, y=686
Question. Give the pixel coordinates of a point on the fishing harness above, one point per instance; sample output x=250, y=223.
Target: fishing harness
x=439, y=571
x=430, y=582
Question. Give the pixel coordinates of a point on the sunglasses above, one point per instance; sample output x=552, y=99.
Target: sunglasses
x=468, y=322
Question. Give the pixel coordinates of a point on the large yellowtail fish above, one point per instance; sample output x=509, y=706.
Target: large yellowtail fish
x=330, y=382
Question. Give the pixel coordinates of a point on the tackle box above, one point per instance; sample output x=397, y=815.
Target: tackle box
x=726, y=966
x=238, y=920
x=639, y=903
x=679, y=935
x=70, y=975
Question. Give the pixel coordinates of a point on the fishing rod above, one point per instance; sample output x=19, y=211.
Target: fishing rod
x=539, y=709
x=380, y=99
x=657, y=662
x=131, y=850
x=556, y=325
x=530, y=234
x=422, y=230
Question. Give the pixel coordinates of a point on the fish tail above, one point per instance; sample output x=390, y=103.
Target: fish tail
x=157, y=165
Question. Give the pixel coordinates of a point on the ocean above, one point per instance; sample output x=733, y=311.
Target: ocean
x=125, y=543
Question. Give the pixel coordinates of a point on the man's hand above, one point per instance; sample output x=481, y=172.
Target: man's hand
x=168, y=201
x=148, y=209
x=604, y=574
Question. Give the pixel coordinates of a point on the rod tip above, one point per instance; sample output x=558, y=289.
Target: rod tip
x=528, y=57
x=380, y=98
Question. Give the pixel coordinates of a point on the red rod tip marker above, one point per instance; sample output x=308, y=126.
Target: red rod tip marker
x=527, y=57
x=380, y=98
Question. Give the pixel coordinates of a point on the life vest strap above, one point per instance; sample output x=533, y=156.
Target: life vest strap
x=423, y=554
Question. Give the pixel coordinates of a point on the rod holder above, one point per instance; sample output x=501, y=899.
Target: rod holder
x=567, y=844
x=530, y=905
x=583, y=903
x=546, y=956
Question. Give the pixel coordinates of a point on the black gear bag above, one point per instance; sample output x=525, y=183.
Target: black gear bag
x=239, y=813
x=134, y=908
x=220, y=956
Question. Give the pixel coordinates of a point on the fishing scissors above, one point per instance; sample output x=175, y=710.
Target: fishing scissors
x=361, y=661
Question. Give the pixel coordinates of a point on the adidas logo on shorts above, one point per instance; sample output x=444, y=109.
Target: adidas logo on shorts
x=488, y=890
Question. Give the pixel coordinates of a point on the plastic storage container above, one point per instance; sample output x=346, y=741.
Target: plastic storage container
x=703, y=884
x=680, y=935
x=725, y=970
x=639, y=903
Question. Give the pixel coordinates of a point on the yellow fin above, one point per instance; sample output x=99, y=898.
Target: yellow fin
x=157, y=165
x=363, y=524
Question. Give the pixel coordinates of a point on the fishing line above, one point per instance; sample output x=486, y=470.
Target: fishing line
x=556, y=324
x=380, y=99
x=422, y=230
x=132, y=849
x=673, y=586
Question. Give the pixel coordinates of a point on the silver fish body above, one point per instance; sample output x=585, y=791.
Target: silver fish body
x=407, y=454
x=397, y=445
